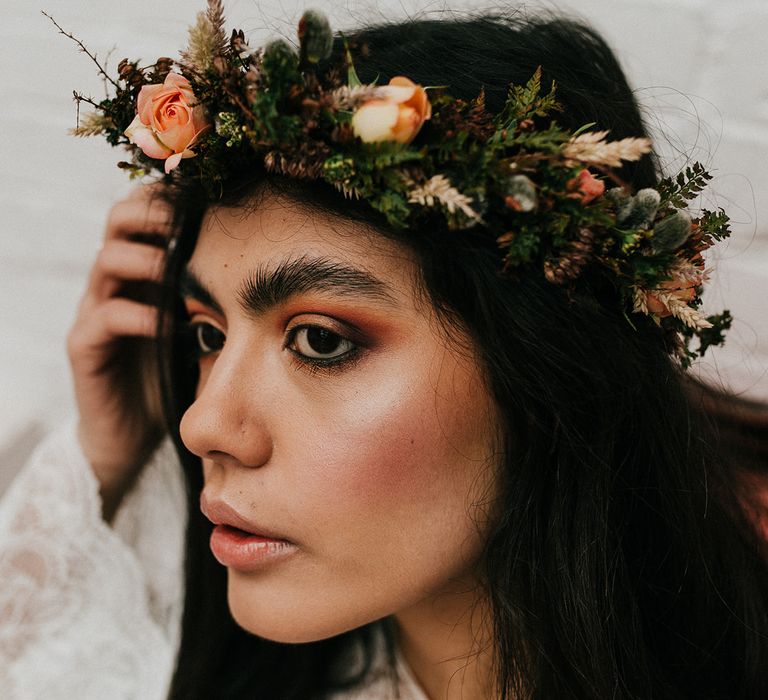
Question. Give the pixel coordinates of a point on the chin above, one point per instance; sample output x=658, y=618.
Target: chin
x=279, y=616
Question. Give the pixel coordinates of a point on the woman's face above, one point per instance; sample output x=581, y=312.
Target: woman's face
x=348, y=441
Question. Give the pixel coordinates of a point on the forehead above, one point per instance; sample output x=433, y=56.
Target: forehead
x=271, y=229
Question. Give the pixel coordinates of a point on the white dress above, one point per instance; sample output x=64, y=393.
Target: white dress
x=93, y=611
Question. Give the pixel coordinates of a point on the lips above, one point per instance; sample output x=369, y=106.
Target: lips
x=221, y=513
x=241, y=544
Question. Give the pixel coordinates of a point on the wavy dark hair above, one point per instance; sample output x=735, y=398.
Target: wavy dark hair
x=620, y=564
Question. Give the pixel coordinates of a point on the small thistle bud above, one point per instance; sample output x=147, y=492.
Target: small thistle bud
x=521, y=194
x=315, y=38
x=671, y=232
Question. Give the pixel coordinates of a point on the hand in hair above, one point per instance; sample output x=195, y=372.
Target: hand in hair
x=109, y=347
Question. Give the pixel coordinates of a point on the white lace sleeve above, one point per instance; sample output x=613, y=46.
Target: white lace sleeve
x=88, y=610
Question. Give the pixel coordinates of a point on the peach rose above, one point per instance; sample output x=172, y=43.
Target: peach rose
x=396, y=116
x=586, y=186
x=167, y=122
x=681, y=290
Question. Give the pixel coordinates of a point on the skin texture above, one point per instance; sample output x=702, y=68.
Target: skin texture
x=379, y=469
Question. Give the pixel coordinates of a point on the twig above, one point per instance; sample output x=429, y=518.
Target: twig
x=82, y=48
x=82, y=98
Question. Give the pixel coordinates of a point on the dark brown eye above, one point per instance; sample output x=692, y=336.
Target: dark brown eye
x=318, y=343
x=209, y=339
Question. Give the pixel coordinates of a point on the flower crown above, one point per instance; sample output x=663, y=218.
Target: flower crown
x=415, y=153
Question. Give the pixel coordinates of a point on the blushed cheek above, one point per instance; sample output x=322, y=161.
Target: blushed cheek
x=406, y=447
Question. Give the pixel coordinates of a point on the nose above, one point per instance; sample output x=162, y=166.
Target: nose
x=227, y=423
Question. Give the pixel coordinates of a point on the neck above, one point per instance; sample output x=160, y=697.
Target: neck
x=447, y=643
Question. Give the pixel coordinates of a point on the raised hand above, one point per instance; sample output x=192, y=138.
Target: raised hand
x=111, y=349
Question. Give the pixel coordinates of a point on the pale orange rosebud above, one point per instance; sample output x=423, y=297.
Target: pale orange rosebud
x=397, y=115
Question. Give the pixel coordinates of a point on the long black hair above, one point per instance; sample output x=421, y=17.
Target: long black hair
x=619, y=564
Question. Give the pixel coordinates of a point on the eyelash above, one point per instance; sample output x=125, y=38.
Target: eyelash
x=193, y=329
x=316, y=364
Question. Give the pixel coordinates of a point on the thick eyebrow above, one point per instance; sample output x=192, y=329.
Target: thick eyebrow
x=191, y=286
x=267, y=287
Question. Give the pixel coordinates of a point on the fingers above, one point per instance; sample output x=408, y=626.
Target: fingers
x=136, y=234
x=120, y=261
x=123, y=317
x=113, y=304
x=112, y=319
x=144, y=213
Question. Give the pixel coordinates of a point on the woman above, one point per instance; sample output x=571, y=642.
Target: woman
x=426, y=469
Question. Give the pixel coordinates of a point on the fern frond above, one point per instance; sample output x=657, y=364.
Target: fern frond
x=439, y=190
x=686, y=186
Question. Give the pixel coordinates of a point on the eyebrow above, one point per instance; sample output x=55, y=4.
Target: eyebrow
x=191, y=286
x=265, y=287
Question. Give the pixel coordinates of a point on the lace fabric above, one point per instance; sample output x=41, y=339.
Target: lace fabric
x=88, y=610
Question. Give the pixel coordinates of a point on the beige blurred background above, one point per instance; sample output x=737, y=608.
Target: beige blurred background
x=700, y=68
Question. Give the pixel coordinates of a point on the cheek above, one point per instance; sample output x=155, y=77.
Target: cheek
x=408, y=448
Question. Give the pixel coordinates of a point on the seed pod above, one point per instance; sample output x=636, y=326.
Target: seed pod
x=128, y=72
x=163, y=64
x=315, y=38
x=621, y=202
x=645, y=204
x=671, y=232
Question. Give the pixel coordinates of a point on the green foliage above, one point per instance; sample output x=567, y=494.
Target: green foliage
x=393, y=205
x=228, y=126
x=708, y=337
x=526, y=101
x=649, y=271
x=677, y=192
x=523, y=246
x=280, y=66
x=714, y=225
x=549, y=140
x=352, y=79
x=714, y=336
